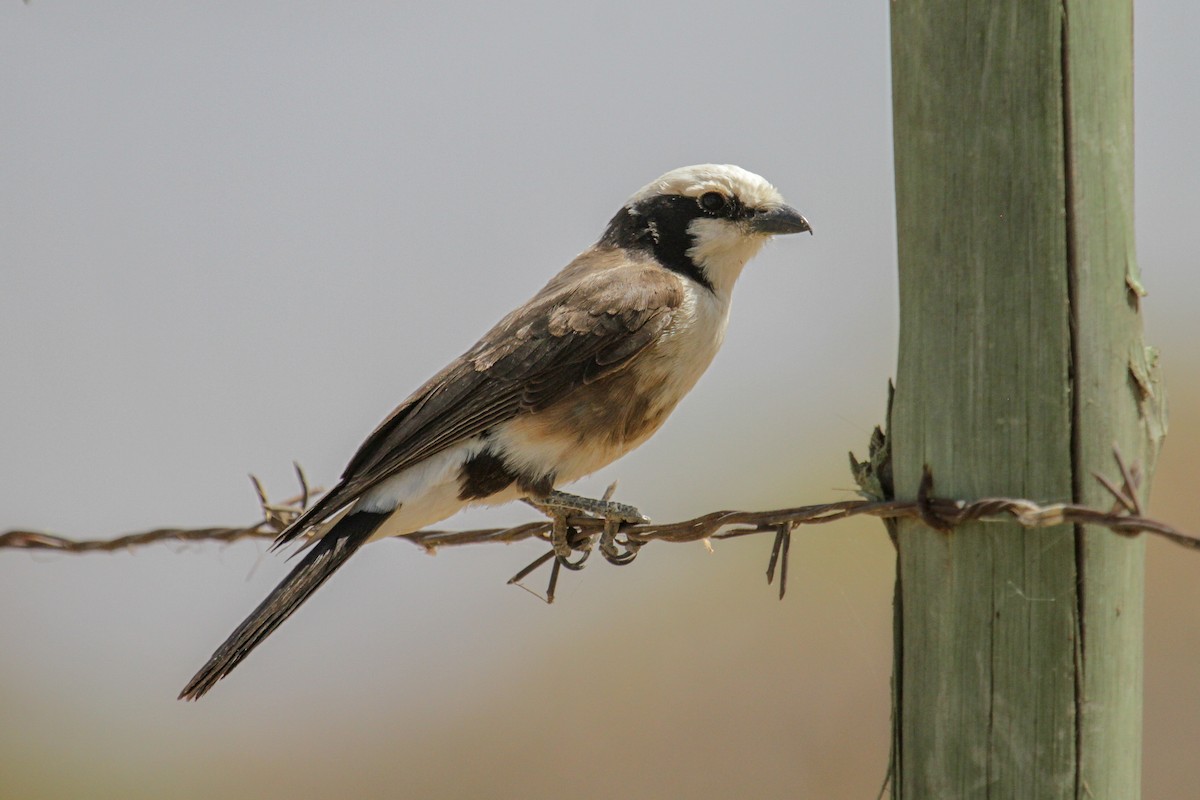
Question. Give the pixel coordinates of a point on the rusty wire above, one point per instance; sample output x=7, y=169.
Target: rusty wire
x=1124, y=518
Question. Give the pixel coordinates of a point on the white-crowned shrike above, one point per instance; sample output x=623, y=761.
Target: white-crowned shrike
x=575, y=378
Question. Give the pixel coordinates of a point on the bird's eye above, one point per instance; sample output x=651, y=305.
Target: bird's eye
x=712, y=201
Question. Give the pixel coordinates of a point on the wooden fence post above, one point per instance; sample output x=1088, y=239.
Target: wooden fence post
x=1019, y=662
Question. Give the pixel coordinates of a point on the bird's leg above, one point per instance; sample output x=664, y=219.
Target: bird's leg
x=603, y=508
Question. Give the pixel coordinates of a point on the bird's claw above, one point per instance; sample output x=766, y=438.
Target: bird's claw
x=610, y=548
x=569, y=542
x=565, y=541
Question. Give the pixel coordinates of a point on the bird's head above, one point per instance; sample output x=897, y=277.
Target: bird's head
x=704, y=221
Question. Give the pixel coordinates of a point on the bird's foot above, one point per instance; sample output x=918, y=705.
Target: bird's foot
x=617, y=552
x=566, y=540
x=559, y=506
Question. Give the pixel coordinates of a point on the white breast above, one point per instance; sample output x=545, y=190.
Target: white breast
x=688, y=346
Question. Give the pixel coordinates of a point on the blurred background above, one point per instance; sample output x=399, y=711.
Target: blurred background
x=237, y=234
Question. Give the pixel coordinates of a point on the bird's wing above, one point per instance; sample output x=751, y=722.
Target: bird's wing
x=588, y=322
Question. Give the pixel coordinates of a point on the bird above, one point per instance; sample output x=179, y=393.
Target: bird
x=578, y=376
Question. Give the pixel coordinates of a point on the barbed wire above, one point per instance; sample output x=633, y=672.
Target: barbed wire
x=1125, y=518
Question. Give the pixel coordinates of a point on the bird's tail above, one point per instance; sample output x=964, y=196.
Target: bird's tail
x=343, y=539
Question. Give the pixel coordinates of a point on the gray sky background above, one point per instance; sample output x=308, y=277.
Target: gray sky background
x=237, y=234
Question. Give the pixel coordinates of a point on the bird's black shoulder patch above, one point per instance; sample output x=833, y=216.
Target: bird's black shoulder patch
x=486, y=473
x=659, y=226
x=482, y=475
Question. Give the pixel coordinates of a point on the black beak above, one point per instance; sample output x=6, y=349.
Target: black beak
x=780, y=219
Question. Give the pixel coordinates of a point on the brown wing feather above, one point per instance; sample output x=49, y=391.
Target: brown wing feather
x=588, y=322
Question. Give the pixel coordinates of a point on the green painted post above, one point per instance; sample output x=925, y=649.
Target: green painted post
x=1019, y=662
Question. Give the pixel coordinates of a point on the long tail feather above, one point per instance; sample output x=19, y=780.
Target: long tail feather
x=349, y=534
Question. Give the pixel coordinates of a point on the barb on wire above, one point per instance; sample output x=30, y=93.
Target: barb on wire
x=275, y=518
x=783, y=542
x=1124, y=518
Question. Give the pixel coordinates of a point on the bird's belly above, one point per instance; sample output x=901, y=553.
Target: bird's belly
x=582, y=433
x=600, y=422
